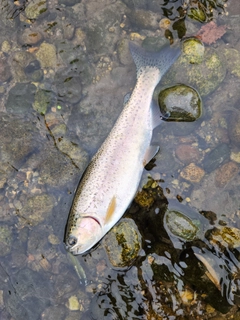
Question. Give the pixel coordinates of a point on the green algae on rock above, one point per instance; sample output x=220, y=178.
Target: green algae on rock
x=181, y=102
x=181, y=226
x=205, y=77
x=225, y=235
x=123, y=243
x=193, y=50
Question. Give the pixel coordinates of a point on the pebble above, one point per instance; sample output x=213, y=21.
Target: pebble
x=73, y=303
x=192, y=173
x=234, y=129
x=225, y=173
x=30, y=37
x=47, y=55
x=5, y=72
x=187, y=153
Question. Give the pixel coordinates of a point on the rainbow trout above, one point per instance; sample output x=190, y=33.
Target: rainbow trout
x=113, y=175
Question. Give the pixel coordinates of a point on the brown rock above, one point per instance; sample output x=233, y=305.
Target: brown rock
x=187, y=153
x=192, y=173
x=5, y=72
x=30, y=37
x=225, y=173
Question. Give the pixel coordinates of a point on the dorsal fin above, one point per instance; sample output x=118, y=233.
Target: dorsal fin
x=110, y=210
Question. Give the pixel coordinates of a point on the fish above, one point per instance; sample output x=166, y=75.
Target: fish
x=112, y=177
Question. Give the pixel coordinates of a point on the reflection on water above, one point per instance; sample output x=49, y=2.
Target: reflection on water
x=64, y=70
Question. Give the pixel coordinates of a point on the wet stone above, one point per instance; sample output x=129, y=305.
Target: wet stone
x=193, y=50
x=192, y=173
x=54, y=313
x=123, y=52
x=5, y=72
x=35, y=9
x=5, y=239
x=30, y=37
x=47, y=55
x=181, y=226
x=68, y=3
x=226, y=235
x=33, y=71
x=37, y=208
x=123, y=243
x=226, y=173
x=43, y=100
x=216, y=157
x=234, y=129
x=17, y=139
x=68, y=86
x=181, y=102
x=187, y=153
x=20, y=98
x=205, y=77
x=19, y=62
x=144, y=19
x=233, y=61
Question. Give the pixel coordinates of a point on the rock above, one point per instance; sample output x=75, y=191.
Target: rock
x=43, y=100
x=47, y=55
x=187, y=153
x=192, y=173
x=6, y=239
x=144, y=19
x=20, y=60
x=5, y=72
x=233, y=61
x=35, y=9
x=30, y=37
x=216, y=157
x=33, y=71
x=37, y=208
x=234, y=129
x=205, y=77
x=123, y=243
x=68, y=86
x=123, y=52
x=54, y=312
x=235, y=156
x=68, y=3
x=193, y=50
x=178, y=224
x=20, y=98
x=225, y=173
x=73, y=303
x=144, y=199
x=17, y=139
x=181, y=103
x=228, y=236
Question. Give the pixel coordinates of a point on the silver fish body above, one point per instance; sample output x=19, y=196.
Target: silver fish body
x=113, y=175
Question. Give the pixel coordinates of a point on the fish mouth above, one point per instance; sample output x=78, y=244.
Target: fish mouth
x=89, y=233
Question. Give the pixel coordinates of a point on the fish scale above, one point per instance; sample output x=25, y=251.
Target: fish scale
x=113, y=175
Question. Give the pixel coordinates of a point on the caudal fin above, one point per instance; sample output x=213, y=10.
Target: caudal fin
x=161, y=60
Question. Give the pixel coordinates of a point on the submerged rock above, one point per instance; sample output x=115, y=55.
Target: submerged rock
x=205, y=76
x=181, y=226
x=192, y=173
x=5, y=239
x=216, y=157
x=37, y=208
x=123, y=243
x=21, y=97
x=228, y=236
x=181, y=102
x=193, y=50
x=226, y=173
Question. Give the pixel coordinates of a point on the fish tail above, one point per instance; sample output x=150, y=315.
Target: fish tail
x=161, y=60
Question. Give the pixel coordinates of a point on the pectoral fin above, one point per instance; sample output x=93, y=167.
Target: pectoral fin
x=150, y=153
x=110, y=210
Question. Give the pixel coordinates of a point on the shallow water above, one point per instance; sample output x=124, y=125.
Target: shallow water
x=65, y=69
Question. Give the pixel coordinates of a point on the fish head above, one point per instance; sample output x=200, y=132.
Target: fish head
x=85, y=233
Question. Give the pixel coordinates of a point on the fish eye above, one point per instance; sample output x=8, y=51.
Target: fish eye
x=72, y=241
